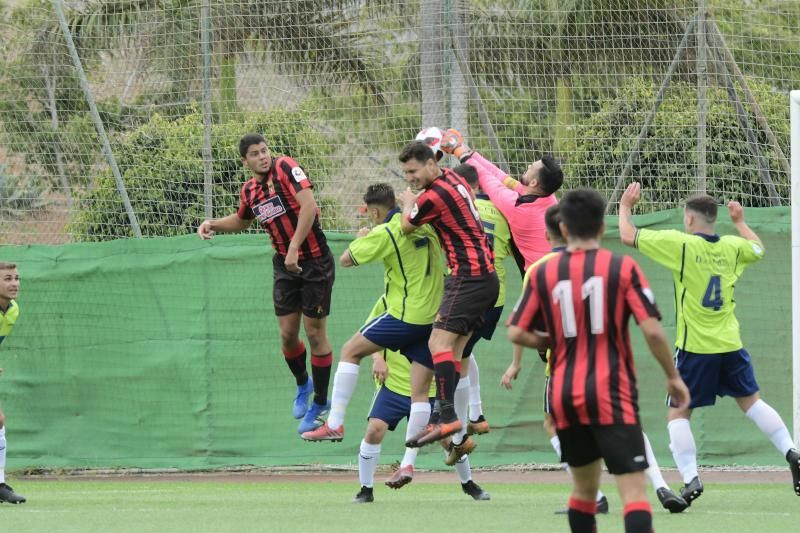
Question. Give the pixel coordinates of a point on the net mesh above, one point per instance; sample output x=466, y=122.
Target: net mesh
x=682, y=95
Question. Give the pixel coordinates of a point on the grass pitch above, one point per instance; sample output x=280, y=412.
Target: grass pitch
x=231, y=506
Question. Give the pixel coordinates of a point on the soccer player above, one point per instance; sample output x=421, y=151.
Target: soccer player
x=522, y=203
x=470, y=289
x=391, y=404
x=9, y=313
x=579, y=304
x=496, y=228
x=279, y=196
x=709, y=351
x=669, y=500
x=414, y=279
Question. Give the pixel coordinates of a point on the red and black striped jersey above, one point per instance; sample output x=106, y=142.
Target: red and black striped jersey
x=446, y=204
x=272, y=202
x=583, y=300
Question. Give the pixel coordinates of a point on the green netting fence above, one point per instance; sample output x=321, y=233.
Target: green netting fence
x=164, y=353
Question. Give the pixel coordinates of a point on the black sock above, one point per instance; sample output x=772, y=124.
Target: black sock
x=296, y=361
x=321, y=371
x=638, y=518
x=581, y=516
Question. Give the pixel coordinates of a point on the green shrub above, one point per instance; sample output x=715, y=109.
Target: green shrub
x=162, y=167
x=19, y=196
x=667, y=163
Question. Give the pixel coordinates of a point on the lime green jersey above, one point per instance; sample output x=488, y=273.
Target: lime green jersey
x=496, y=228
x=705, y=269
x=525, y=281
x=413, y=268
x=8, y=319
x=399, y=378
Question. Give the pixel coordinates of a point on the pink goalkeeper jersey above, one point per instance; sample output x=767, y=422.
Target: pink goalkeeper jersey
x=524, y=212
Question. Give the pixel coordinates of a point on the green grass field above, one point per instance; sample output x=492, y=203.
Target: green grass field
x=198, y=506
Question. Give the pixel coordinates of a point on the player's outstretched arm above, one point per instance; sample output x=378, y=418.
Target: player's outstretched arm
x=659, y=346
x=517, y=335
x=736, y=212
x=627, y=229
x=229, y=224
x=514, y=368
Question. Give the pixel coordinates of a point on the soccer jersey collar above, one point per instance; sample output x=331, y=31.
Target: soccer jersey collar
x=390, y=214
x=558, y=248
x=528, y=198
x=481, y=196
x=709, y=238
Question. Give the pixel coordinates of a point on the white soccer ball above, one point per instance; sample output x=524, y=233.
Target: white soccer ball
x=432, y=137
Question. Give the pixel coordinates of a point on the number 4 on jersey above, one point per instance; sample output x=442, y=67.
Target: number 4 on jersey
x=713, y=296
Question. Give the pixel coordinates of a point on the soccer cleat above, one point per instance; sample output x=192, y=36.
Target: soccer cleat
x=478, y=426
x=457, y=451
x=793, y=457
x=475, y=490
x=671, y=501
x=434, y=432
x=364, y=495
x=401, y=477
x=314, y=417
x=8, y=495
x=602, y=507
x=324, y=432
x=300, y=404
x=692, y=490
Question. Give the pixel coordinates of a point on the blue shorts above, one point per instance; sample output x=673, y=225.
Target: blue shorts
x=490, y=320
x=410, y=340
x=710, y=375
x=390, y=407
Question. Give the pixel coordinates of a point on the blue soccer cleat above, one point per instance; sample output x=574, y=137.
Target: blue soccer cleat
x=300, y=404
x=314, y=418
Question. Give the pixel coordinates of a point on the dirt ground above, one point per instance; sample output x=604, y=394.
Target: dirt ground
x=347, y=476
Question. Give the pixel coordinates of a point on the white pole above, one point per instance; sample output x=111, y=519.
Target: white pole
x=794, y=105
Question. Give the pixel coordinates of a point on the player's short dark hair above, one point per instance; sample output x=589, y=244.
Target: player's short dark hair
x=469, y=173
x=550, y=175
x=582, y=211
x=417, y=150
x=5, y=265
x=704, y=205
x=380, y=194
x=249, y=140
x=552, y=218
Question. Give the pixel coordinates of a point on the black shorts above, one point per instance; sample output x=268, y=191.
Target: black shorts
x=309, y=291
x=465, y=303
x=620, y=445
x=486, y=331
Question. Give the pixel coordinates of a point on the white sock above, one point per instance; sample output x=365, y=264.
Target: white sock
x=653, y=473
x=475, y=407
x=556, y=444
x=461, y=404
x=344, y=384
x=368, y=456
x=420, y=412
x=684, y=450
x=463, y=470
x=3, y=454
x=770, y=423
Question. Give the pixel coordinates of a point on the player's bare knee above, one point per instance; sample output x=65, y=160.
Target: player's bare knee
x=376, y=430
x=746, y=402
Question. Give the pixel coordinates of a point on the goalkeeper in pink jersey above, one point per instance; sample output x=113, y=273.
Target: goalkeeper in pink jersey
x=523, y=202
